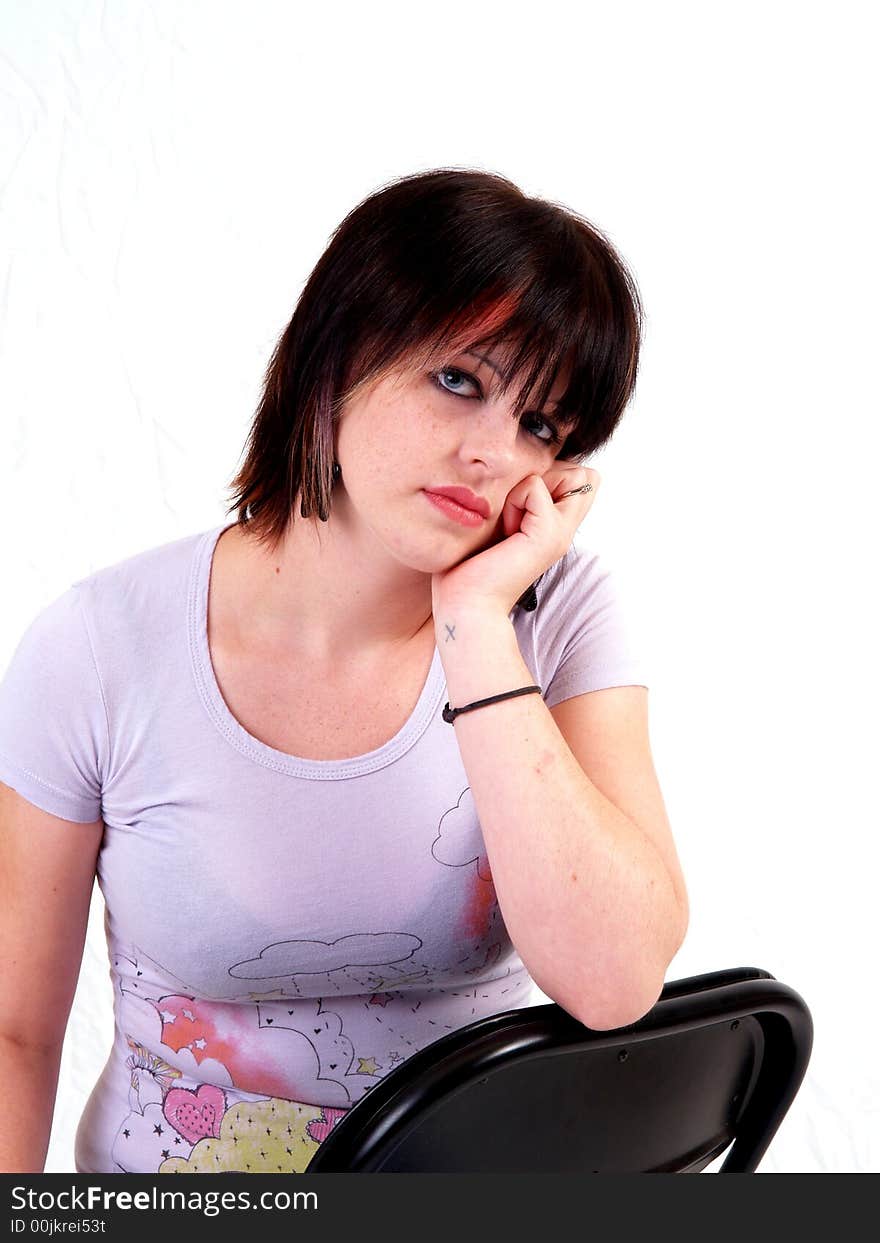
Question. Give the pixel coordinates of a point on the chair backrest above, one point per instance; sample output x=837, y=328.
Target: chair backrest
x=717, y=1061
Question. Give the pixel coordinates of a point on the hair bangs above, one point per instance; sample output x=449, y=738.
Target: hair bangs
x=537, y=336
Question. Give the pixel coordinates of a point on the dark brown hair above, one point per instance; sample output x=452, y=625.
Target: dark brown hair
x=427, y=266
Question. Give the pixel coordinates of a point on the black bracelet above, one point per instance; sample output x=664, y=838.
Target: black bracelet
x=449, y=714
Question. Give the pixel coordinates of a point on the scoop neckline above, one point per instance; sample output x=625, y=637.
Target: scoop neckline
x=426, y=709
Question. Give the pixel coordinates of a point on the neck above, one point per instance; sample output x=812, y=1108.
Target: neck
x=330, y=593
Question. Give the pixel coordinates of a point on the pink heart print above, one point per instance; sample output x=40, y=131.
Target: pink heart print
x=321, y=1127
x=195, y=1114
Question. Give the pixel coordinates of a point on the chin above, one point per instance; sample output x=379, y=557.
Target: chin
x=427, y=560
x=421, y=547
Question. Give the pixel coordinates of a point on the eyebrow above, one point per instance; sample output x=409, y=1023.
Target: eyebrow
x=483, y=359
x=489, y=363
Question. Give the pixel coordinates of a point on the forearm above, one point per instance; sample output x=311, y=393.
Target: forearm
x=29, y=1077
x=587, y=899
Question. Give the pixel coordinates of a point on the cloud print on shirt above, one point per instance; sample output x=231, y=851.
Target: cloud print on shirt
x=235, y=1046
x=361, y=949
x=459, y=840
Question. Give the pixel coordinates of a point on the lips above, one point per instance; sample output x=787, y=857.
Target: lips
x=464, y=496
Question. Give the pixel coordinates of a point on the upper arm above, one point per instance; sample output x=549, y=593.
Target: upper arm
x=47, y=871
x=607, y=732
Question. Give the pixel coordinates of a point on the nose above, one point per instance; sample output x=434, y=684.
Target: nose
x=491, y=438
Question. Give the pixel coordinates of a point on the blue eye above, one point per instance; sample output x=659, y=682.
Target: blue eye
x=554, y=438
x=449, y=378
x=439, y=379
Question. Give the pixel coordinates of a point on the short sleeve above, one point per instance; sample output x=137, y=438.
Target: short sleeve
x=54, y=737
x=584, y=638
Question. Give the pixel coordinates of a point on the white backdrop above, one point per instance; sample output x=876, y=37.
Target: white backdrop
x=170, y=173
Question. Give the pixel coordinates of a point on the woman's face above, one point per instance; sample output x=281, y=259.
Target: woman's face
x=417, y=430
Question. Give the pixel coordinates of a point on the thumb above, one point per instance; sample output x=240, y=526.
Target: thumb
x=516, y=504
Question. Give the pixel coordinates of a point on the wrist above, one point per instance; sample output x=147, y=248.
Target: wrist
x=476, y=613
x=472, y=632
x=480, y=656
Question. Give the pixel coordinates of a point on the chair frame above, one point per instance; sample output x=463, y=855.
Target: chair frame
x=378, y=1123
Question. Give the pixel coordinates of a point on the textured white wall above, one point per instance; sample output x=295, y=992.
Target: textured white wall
x=170, y=173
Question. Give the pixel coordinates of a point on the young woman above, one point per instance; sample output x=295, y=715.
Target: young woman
x=359, y=766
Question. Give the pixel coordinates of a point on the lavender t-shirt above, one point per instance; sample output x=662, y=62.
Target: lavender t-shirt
x=282, y=932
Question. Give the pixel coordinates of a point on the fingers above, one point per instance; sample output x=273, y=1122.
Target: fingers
x=542, y=493
x=579, y=481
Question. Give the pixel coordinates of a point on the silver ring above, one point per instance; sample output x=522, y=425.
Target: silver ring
x=588, y=487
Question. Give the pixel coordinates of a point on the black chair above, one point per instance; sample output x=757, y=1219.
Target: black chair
x=717, y=1061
